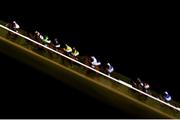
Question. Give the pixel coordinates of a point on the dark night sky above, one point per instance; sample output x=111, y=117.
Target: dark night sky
x=139, y=41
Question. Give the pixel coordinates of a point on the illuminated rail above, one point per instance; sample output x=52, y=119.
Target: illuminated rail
x=114, y=79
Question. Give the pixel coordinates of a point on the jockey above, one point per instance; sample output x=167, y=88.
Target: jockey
x=166, y=96
x=110, y=68
x=139, y=82
x=38, y=36
x=37, y=33
x=68, y=49
x=95, y=62
x=74, y=52
x=56, y=43
x=45, y=40
x=15, y=26
x=146, y=87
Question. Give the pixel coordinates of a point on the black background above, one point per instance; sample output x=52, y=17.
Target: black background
x=28, y=93
x=140, y=39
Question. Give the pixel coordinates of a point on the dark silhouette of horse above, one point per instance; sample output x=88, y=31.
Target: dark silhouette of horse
x=34, y=36
x=10, y=34
x=87, y=61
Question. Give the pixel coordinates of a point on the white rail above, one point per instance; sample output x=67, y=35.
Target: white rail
x=118, y=81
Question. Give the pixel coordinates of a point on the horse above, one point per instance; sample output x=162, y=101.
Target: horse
x=36, y=38
x=87, y=61
x=11, y=34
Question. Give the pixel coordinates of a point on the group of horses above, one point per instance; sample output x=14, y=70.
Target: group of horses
x=87, y=60
x=141, y=85
x=84, y=59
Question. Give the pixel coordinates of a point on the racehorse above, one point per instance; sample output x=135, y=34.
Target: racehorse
x=37, y=37
x=34, y=36
x=87, y=61
x=11, y=34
